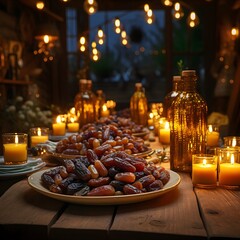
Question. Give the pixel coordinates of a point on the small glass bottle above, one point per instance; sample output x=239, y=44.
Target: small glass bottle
x=139, y=105
x=100, y=100
x=171, y=96
x=84, y=104
x=92, y=97
x=188, y=124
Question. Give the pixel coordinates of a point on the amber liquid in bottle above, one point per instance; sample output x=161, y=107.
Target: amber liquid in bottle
x=100, y=100
x=139, y=106
x=84, y=104
x=188, y=124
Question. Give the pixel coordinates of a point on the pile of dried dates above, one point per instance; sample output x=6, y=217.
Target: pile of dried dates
x=103, y=139
x=116, y=173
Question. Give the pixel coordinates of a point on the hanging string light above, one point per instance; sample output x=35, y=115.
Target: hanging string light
x=95, y=53
x=177, y=11
x=100, y=36
x=192, y=20
x=234, y=33
x=82, y=42
x=124, y=38
x=150, y=16
x=117, y=25
x=40, y=5
x=167, y=3
x=90, y=6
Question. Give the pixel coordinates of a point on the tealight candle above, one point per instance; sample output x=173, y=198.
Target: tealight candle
x=212, y=136
x=59, y=128
x=229, y=168
x=15, y=148
x=164, y=134
x=204, y=170
x=38, y=135
x=73, y=126
x=150, y=120
x=105, y=112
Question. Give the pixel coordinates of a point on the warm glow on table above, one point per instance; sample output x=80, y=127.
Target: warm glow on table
x=212, y=137
x=150, y=120
x=164, y=134
x=229, y=173
x=204, y=173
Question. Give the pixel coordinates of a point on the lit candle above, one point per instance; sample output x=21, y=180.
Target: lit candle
x=73, y=126
x=212, y=137
x=38, y=136
x=105, y=112
x=150, y=120
x=164, y=134
x=15, y=153
x=59, y=128
x=204, y=174
x=229, y=173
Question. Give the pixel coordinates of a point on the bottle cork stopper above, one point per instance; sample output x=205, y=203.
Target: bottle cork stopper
x=186, y=73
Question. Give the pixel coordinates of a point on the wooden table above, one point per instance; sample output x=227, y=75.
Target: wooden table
x=184, y=213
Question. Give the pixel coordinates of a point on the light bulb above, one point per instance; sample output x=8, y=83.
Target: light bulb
x=90, y=6
x=192, y=20
x=40, y=5
x=177, y=11
x=146, y=7
x=167, y=3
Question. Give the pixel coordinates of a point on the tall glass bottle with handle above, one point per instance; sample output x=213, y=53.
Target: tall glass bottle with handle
x=139, y=105
x=188, y=124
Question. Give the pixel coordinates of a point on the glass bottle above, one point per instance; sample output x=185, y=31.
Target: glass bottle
x=100, y=100
x=171, y=96
x=92, y=97
x=84, y=104
x=188, y=124
x=139, y=105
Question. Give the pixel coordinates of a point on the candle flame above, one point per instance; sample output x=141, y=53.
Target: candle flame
x=16, y=139
x=204, y=161
x=39, y=131
x=72, y=119
x=104, y=107
x=232, y=158
x=151, y=115
x=234, y=142
x=58, y=119
x=166, y=125
x=210, y=128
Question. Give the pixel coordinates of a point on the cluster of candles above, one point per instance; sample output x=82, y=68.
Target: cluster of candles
x=219, y=169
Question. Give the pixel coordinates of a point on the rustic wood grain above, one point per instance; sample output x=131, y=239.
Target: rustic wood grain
x=86, y=222
x=174, y=215
x=25, y=213
x=220, y=209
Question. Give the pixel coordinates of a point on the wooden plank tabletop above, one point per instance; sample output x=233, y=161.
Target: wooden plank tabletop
x=24, y=213
x=173, y=215
x=220, y=210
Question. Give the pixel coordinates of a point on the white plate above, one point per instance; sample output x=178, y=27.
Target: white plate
x=35, y=182
x=9, y=173
x=30, y=161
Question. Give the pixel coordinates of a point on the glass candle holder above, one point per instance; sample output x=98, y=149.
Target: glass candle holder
x=59, y=126
x=38, y=135
x=231, y=141
x=204, y=170
x=229, y=168
x=15, y=148
x=213, y=136
x=73, y=124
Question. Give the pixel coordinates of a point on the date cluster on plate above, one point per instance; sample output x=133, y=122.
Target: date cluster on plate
x=103, y=139
x=116, y=173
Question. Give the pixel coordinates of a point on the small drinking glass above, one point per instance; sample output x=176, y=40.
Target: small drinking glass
x=15, y=148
